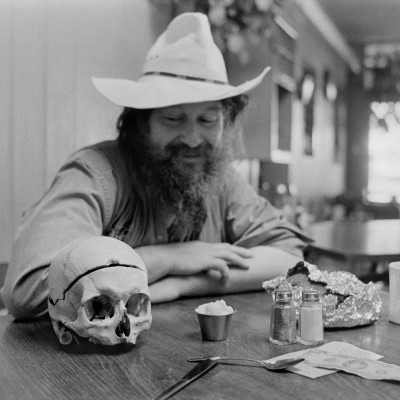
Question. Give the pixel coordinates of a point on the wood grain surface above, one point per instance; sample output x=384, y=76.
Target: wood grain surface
x=34, y=366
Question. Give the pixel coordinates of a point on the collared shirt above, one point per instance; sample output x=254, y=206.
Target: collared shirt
x=94, y=194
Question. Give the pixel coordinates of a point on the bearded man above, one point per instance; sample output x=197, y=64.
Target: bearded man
x=166, y=187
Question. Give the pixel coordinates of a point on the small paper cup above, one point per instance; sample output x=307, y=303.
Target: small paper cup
x=214, y=327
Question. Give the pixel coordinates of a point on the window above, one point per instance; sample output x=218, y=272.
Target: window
x=283, y=87
x=384, y=152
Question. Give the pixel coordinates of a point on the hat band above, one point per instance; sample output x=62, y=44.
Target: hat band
x=189, y=78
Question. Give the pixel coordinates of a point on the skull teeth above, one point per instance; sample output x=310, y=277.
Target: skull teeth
x=124, y=327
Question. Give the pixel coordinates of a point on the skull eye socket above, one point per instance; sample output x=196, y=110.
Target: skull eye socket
x=138, y=304
x=99, y=307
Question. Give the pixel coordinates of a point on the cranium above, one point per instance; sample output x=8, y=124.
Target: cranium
x=98, y=290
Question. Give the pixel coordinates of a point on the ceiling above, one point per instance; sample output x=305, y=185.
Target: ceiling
x=364, y=22
x=373, y=25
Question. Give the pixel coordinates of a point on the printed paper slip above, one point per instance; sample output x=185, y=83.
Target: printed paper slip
x=339, y=348
x=369, y=369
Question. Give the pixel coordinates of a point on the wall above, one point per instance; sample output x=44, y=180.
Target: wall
x=48, y=106
x=318, y=175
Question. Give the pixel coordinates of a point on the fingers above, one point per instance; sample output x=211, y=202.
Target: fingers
x=234, y=255
x=240, y=251
x=222, y=267
x=194, y=257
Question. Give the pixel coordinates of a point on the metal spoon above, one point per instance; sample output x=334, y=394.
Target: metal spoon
x=271, y=365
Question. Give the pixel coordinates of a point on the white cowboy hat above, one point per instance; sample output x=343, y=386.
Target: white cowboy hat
x=183, y=66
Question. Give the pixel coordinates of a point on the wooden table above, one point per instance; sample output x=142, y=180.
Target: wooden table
x=34, y=366
x=356, y=242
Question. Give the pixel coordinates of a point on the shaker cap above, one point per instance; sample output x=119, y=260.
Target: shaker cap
x=310, y=295
x=283, y=295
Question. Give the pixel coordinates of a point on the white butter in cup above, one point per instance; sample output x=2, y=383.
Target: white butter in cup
x=218, y=307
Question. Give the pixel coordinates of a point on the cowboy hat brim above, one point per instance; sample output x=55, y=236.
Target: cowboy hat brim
x=157, y=91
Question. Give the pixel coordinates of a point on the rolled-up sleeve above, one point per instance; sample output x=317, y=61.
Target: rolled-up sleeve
x=251, y=220
x=78, y=204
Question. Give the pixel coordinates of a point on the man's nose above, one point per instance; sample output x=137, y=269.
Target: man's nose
x=192, y=136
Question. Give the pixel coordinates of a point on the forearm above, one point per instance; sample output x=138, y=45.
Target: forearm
x=266, y=263
x=26, y=297
x=192, y=258
x=157, y=261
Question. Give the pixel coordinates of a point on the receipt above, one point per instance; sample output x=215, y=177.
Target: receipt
x=369, y=369
x=312, y=371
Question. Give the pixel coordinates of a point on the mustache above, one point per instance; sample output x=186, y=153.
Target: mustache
x=183, y=150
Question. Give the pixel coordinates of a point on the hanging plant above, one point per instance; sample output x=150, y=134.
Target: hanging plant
x=235, y=22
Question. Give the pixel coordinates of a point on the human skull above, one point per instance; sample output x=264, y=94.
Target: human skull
x=98, y=289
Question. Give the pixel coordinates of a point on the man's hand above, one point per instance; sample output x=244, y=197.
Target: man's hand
x=266, y=263
x=191, y=258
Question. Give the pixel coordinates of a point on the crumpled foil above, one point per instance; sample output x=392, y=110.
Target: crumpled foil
x=346, y=301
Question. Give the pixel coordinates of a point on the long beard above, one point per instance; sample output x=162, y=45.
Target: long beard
x=184, y=187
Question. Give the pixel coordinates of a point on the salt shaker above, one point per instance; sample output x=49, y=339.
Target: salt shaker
x=311, y=327
x=283, y=319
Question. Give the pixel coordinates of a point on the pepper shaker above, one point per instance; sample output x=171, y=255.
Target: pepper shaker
x=283, y=318
x=311, y=327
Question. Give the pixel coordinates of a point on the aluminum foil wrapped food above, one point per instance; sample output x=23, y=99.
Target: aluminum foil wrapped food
x=346, y=301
